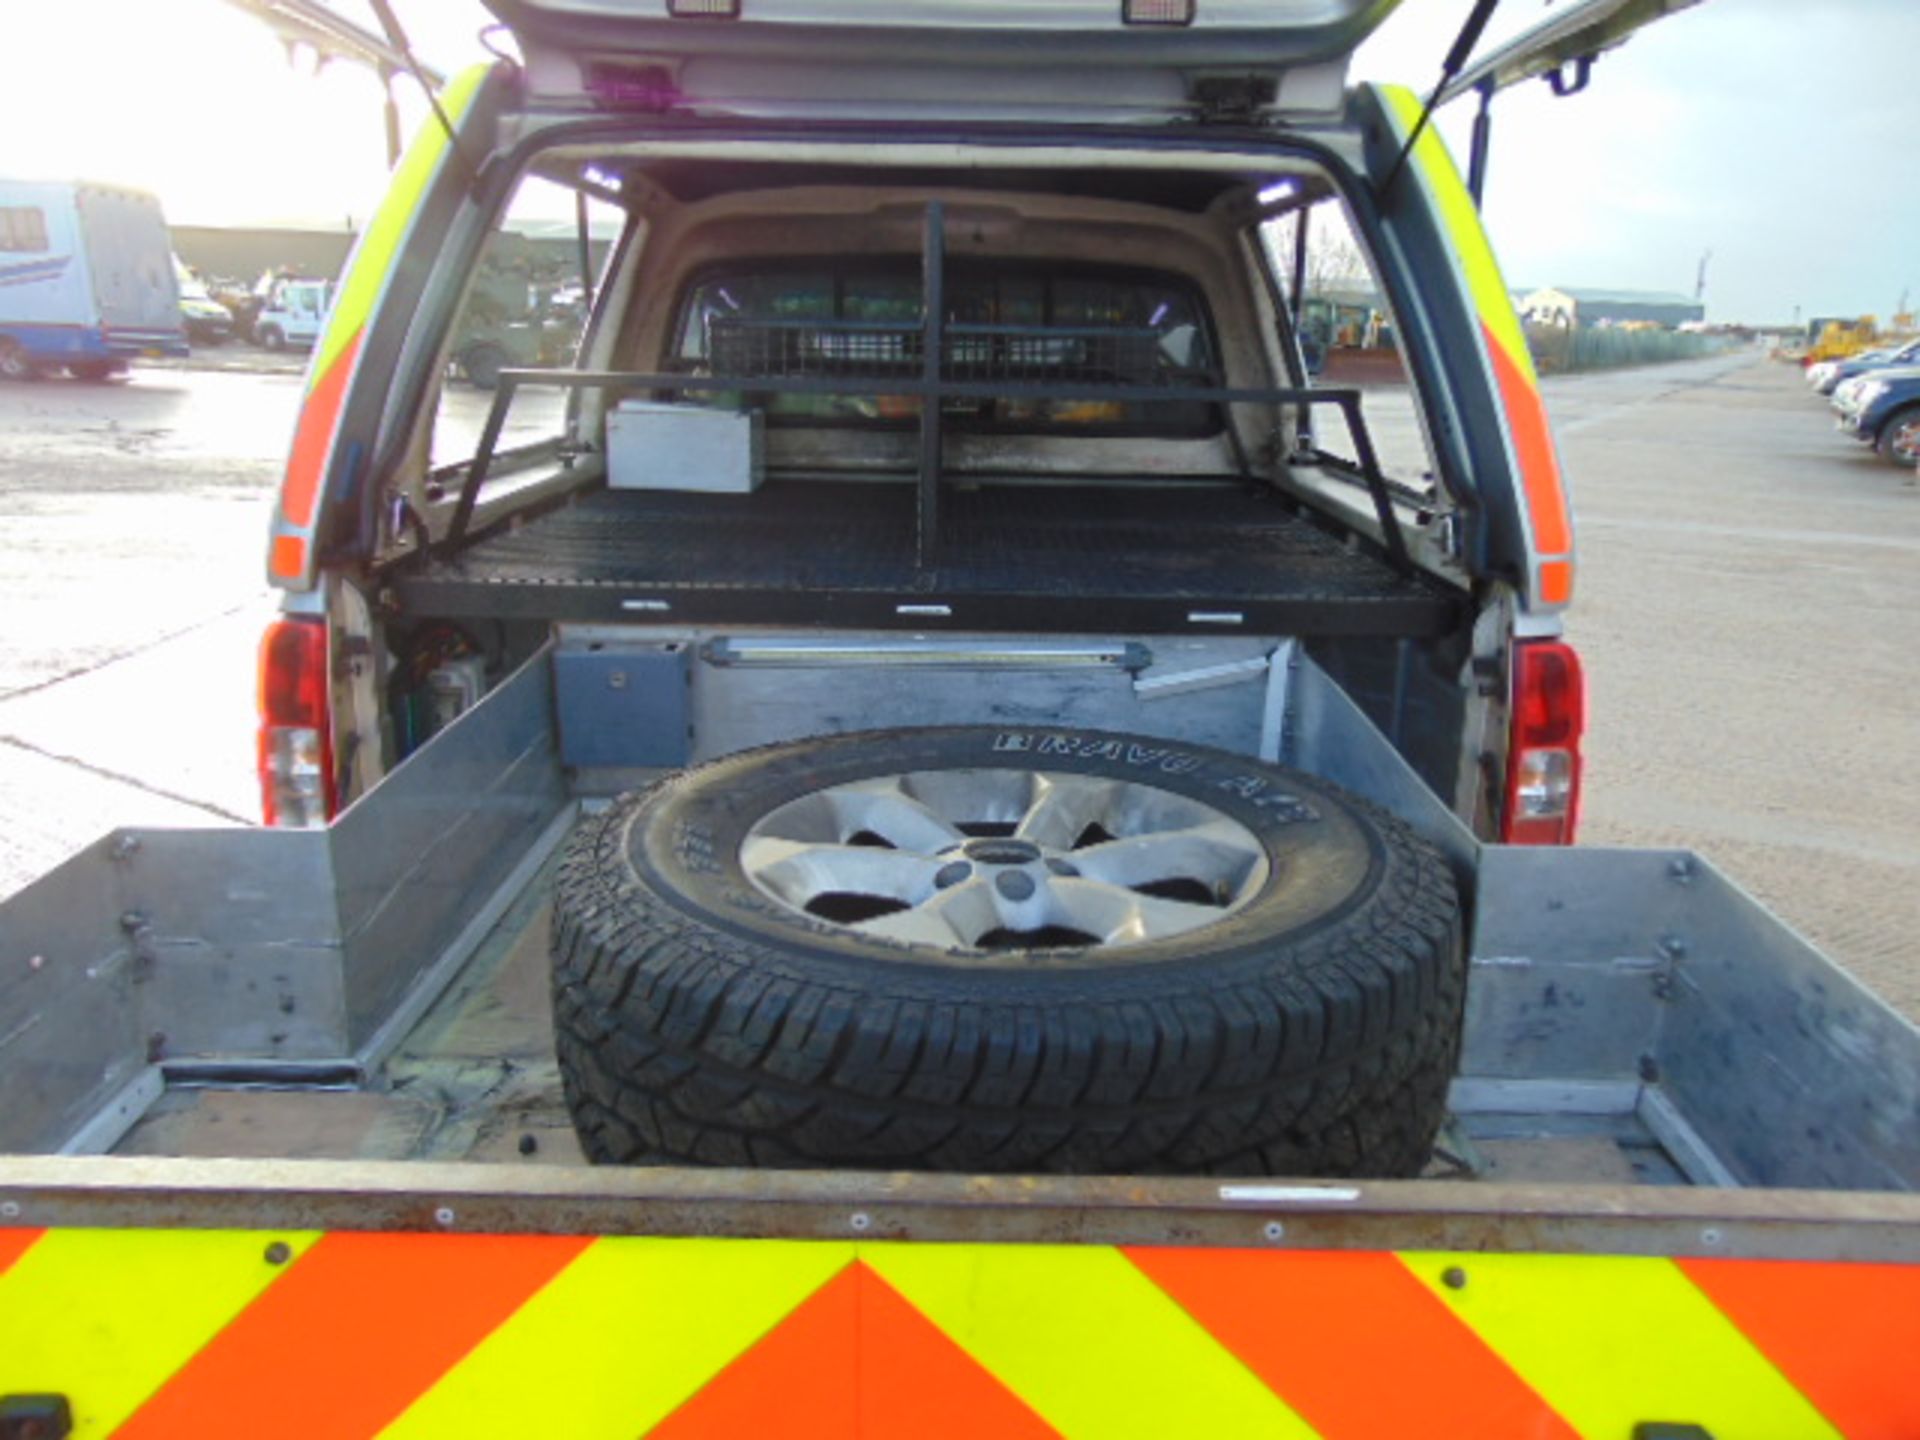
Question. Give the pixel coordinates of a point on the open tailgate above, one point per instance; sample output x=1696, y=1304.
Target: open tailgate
x=1011, y=57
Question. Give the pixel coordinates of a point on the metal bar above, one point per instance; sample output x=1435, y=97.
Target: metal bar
x=580, y=219
x=869, y=384
x=932, y=390
x=1585, y=27
x=1376, y=483
x=932, y=410
x=1482, y=143
x=1140, y=1210
x=1303, y=422
x=483, y=457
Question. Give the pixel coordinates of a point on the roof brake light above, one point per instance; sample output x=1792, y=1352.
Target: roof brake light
x=1543, y=758
x=1157, y=12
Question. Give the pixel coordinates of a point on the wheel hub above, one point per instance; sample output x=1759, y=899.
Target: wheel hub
x=1001, y=852
x=1067, y=860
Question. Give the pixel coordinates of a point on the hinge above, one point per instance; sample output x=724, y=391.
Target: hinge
x=1232, y=99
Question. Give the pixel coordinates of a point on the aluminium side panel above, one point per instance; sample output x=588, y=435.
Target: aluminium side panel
x=417, y=855
x=69, y=1031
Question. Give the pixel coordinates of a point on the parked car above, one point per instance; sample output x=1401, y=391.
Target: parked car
x=1882, y=409
x=1830, y=374
x=208, y=322
x=86, y=280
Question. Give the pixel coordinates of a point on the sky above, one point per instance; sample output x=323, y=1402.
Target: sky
x=1779, y=134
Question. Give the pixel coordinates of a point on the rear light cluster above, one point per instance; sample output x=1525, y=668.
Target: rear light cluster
x=1543, y=758
x=296, y=736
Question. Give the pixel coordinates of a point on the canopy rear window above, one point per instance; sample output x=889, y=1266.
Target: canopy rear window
x=1003, y=323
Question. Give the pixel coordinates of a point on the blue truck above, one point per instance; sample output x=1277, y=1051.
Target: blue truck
x=86, y=280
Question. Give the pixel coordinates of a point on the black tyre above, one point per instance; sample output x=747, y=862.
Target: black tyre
x=482, y=364
x=273, y=337
x=1899, y=438
x=15, y=364
x=986, y=950
x=97, y=371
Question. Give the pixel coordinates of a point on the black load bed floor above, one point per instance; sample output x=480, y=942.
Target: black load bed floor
x=1134, y=558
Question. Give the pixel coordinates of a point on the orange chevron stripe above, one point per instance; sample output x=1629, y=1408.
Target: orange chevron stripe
x=355, y=1331
x=313, y=435
x=14, y=1244
x=1846, y=1335
x=1546, y=496
x=855, y=1359
x=1315, y=1326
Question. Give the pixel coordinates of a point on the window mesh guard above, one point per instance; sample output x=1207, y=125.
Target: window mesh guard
x=782, y=349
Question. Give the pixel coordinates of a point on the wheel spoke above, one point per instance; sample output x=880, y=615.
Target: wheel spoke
x=1063, y=807
x=1122, y=916
x=925, y=858
x=1217, y=855
x=959, y=916
x=798, y=871
x=884, y=809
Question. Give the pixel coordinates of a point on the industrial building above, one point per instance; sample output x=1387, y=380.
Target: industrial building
x=1575, y=307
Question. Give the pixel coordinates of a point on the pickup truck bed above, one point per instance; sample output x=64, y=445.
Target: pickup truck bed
x=475, y=1080
x=1140, y=557
x=377, y=989
x=293, y=1078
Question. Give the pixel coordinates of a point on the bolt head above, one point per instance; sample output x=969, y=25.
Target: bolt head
x=1015, y=885
x=948, y=876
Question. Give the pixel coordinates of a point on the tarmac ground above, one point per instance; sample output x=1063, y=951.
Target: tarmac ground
x=1748, y=594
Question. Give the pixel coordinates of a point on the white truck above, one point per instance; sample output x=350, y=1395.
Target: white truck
x=293, y=310
x=86, y=280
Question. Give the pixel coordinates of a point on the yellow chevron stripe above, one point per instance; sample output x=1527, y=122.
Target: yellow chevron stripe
x=620, y=1338
x=1465, y=233
x=1612, y=1341
x=366, y=272
x=1083, y=1337
x=106, y=1316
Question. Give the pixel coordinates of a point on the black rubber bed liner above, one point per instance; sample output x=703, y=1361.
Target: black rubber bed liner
x=1133, y=558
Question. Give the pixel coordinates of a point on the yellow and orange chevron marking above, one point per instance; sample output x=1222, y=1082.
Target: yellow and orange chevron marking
x=1505, y=343
x=290, y=555
x=345, y=1335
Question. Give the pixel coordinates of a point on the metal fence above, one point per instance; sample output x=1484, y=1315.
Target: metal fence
x=1558, y=349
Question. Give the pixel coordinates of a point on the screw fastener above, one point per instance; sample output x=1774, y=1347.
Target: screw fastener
x=1014, y=884
x=1454, y=1278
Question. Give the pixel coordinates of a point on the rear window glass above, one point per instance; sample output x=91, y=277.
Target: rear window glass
x=23, y=228
x=1016, y=327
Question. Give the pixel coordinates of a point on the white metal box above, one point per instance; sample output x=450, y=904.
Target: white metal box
x=656, y=446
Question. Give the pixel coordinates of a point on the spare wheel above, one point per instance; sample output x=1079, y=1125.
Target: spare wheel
x=1006, y=950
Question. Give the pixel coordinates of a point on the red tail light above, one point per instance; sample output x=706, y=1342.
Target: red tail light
x=1543, y=760
x=296, y=736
